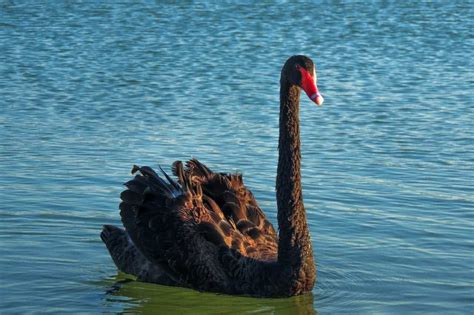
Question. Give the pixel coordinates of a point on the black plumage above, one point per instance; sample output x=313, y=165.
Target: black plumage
x=206, y=231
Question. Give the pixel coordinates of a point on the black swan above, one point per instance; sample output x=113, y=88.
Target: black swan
x=206, y=231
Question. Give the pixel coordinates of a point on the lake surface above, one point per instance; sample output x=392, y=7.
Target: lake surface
x=89, y=89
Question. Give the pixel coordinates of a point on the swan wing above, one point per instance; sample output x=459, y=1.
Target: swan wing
x=185, y=226
x=242, y=222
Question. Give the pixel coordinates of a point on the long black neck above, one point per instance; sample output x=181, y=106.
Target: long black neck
x=294, y=247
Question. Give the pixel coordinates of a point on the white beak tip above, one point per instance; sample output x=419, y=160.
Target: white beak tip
x=319, y=100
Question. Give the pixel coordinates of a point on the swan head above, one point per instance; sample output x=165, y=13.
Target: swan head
x=301, y=71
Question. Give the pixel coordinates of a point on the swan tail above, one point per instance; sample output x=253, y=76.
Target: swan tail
x=128, y=258
x=120, y=247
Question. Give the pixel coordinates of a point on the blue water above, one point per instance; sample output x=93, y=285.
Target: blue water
x=87, y=89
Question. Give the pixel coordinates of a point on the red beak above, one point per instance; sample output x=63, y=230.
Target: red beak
x=308, y=84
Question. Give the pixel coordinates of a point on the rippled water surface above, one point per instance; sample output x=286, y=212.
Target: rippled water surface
x=87, y=89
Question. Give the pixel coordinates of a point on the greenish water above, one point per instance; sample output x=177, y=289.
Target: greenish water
x=87, y=89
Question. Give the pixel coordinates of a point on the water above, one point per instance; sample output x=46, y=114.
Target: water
x=88, y=89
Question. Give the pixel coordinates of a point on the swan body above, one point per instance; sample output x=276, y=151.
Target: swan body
x=205, y=230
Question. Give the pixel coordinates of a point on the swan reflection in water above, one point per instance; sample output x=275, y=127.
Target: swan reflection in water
x=143, y=298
